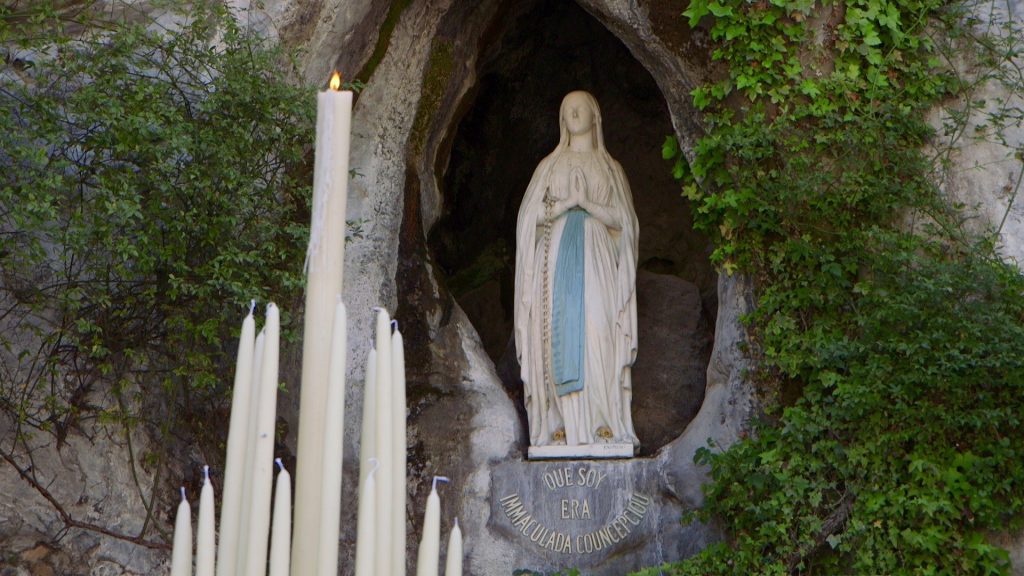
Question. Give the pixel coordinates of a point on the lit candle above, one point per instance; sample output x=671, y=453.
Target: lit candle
x=324, y=268
x=430, y=545
x=263, y=454
x=385, y=477
x=234, y=463
x=334, y=428
x=181, y=557
x=281, y=535
x=245, y=514
x=205, y=544
x=453, y=561
x=365, y=528
x=398, y=489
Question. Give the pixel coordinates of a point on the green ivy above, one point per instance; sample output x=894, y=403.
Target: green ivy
x=890, y=342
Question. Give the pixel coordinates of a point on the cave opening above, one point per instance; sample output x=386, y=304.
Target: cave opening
x=539, y=51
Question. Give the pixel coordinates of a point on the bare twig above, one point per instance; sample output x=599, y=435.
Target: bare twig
x=69, y=521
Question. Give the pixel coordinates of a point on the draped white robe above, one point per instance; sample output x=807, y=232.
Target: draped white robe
x=610, y=260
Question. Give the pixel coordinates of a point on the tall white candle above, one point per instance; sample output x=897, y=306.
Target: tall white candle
x=281, y=534
x=234, y=463
x=205, y=540
x=368, y=464
x=365, y=525
x=429, y=555
x=385, y=475
x=334, y=427
x=367, y=447
x=181, y=557
x=324, y=261
x=398, y=489
x=245, y=514
x=263, y=455
x=453, y=560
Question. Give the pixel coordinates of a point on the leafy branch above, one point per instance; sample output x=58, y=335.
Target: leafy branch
x=154, y=181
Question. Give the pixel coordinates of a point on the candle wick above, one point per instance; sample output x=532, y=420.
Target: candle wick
x=394, y=324
x=182, y=493
x=270, y=305
x=252, y=306
x=439, y=479
x=279, y=464
x=206, y=473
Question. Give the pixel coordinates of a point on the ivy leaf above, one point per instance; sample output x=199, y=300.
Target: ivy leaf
x=735, y=30
x=720, y=10
x=697, y=10
x=869, y=33
x=810, y=88
x=679, y=169
x=701, y=97
x=669, y=148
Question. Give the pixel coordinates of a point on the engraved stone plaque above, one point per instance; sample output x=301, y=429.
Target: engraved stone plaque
x=603, y=517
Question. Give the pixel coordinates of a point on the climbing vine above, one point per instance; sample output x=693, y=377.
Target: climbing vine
x=889, y=337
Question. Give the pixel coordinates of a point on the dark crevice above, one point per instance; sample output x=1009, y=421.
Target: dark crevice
x=540, y=51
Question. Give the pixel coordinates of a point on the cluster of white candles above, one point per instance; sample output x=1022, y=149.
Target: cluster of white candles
x=246, y=507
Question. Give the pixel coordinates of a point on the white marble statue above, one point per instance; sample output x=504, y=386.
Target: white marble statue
x=575, y=292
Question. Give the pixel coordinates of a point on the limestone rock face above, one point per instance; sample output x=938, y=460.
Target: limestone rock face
x=986, y=172
x=420, y=60
x=91, y=476
x=462, y=421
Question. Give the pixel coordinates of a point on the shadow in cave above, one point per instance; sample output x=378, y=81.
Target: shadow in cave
x=544, y=50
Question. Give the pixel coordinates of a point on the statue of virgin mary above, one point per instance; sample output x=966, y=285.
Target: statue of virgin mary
x=575, y=288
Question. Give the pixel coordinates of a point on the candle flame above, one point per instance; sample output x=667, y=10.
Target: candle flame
x=335, y=81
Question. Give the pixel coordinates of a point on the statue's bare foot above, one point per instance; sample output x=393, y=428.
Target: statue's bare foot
x=558, y=437
x=605, y=434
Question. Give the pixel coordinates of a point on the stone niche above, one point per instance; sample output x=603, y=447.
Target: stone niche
x=539, y=52
x=458, y=109
x=509, y=64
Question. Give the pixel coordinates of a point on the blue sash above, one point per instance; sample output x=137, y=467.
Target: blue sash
x=568, y=321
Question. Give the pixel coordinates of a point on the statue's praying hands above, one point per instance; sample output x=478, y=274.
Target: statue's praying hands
x=576, y=194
